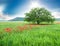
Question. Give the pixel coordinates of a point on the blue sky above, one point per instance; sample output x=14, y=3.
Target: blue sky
x=51, y=3
x=12, y=5
x=15, y=8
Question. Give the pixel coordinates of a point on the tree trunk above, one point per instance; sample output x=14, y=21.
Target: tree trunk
x=38, y=22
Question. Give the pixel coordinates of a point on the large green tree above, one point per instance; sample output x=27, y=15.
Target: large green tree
x=38, y=15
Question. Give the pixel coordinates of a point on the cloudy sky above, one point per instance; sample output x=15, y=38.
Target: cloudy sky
x=10, y=9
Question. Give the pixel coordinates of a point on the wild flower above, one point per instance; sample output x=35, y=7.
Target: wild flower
x=30, y=26
x=20, y=28
x=8, y=29
x=25, y=27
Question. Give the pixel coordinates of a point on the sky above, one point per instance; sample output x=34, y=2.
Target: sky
x=10, y=9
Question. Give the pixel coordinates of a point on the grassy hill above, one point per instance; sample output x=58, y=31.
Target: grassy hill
x=17, y=19
x=57, y=19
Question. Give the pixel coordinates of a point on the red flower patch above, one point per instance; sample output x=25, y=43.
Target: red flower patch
x=30, y=26
x=25, y=27
x=21, y=28
x=8, y=29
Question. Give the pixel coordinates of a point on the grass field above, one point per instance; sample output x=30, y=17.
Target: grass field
x=11, y=34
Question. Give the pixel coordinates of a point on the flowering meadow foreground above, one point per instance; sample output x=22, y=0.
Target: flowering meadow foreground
x=23, y=34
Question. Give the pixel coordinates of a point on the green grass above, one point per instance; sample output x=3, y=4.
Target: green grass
x=48, y=35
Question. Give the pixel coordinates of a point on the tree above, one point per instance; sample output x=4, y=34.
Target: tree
x=38, y=15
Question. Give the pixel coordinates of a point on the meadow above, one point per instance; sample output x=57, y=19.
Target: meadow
x=22, y=34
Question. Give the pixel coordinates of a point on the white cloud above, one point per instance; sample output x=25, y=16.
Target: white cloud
x=56, y=14
x=3, y=16
x=34, y=4
x=1, y=9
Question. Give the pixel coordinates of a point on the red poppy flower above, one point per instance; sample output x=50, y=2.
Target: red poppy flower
x=25, y=27
x=30, y=26
x=8, y=29
x=20, y=28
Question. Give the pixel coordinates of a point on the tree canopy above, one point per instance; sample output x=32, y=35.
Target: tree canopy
x=38, y=15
